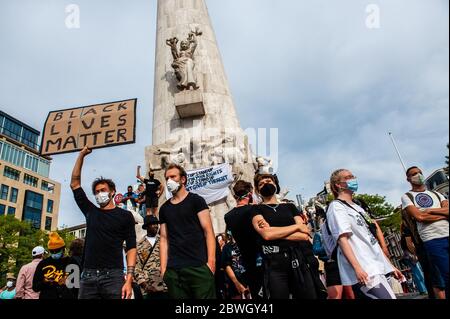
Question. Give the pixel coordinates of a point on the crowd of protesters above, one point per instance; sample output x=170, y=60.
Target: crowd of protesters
x=267, y=251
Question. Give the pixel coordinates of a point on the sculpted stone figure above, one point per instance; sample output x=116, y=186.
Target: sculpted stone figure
x=263, y=165
x=184, y=64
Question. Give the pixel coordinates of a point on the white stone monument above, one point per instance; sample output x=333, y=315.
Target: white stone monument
x=194, y=118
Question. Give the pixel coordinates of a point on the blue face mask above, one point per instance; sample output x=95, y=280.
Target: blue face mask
x=57, y=255
x=352, y=185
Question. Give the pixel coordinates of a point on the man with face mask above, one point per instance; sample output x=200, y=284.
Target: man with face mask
x=188, y=245
x=430, y=211
x=148, y=267
x=50, y=275
x=108, y=227
x=153, y=191
x=239, y=222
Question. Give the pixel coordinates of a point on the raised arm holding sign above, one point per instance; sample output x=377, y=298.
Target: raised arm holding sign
x=108, y=227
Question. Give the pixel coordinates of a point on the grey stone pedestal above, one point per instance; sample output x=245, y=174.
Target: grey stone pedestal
x=189, y=104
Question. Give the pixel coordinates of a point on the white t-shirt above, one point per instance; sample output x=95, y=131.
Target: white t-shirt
x=151, y=240
x=344, y=220
x=425, y=200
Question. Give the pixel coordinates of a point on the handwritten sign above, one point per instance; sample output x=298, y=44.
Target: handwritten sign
x=95, y=126
x=213, y=183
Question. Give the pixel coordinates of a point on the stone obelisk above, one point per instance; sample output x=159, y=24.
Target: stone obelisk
x=194, y=119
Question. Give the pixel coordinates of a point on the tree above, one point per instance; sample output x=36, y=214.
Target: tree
x=378, y=205
x=392, y=222
x=381, y=209
x=17, y=240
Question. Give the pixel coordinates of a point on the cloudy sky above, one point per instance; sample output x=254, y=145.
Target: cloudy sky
x=313, y=69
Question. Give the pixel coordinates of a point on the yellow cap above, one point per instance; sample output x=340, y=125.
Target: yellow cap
x=55, y=241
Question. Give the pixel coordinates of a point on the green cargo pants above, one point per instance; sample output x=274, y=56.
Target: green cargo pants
x=190, y=283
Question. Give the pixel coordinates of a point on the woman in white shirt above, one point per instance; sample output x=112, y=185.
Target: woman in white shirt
x=362, y=263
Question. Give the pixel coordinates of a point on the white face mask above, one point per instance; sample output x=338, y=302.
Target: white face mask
x=9, y=284
x=103, y=199
x=173, y=186
x=418, y=179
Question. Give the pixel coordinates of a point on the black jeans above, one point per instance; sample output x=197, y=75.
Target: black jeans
x=101, y=284
x=281, y=280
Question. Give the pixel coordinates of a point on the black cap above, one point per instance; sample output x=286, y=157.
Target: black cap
x=150, y=220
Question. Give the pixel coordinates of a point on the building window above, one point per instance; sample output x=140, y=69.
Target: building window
x=30, y=138
x=12, y=129
x=31, y=163
x=43, y=168
x=13, y=155
x=14, y=194
x=2, y=209
x=48, y=223
x=30, y=180
x=18, y=132
x=32, y=210
x=50, y=206
x=83, y=233
x=21, y=158
x=4, y=190
x=11, y=211
x=48, y=187
x=11, y=173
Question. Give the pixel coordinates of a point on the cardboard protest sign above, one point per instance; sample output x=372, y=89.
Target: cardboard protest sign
x=213, y=183
x=95, y=126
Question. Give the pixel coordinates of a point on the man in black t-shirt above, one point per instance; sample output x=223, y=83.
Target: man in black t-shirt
x=108, y=227
x=153, y=191
x=187, y=247
x=239, y=222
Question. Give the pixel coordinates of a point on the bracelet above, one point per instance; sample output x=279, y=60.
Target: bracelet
x=130, y=270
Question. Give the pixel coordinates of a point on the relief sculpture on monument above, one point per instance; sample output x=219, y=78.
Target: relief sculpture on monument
x=184, y=64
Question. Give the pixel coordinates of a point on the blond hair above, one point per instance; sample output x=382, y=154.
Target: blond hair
x=334, y=179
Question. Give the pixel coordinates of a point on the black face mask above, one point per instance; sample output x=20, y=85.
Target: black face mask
x=268, y=190
x=152, y=232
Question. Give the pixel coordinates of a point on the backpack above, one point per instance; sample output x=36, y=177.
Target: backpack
x=330, y=245
x=318, y=248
